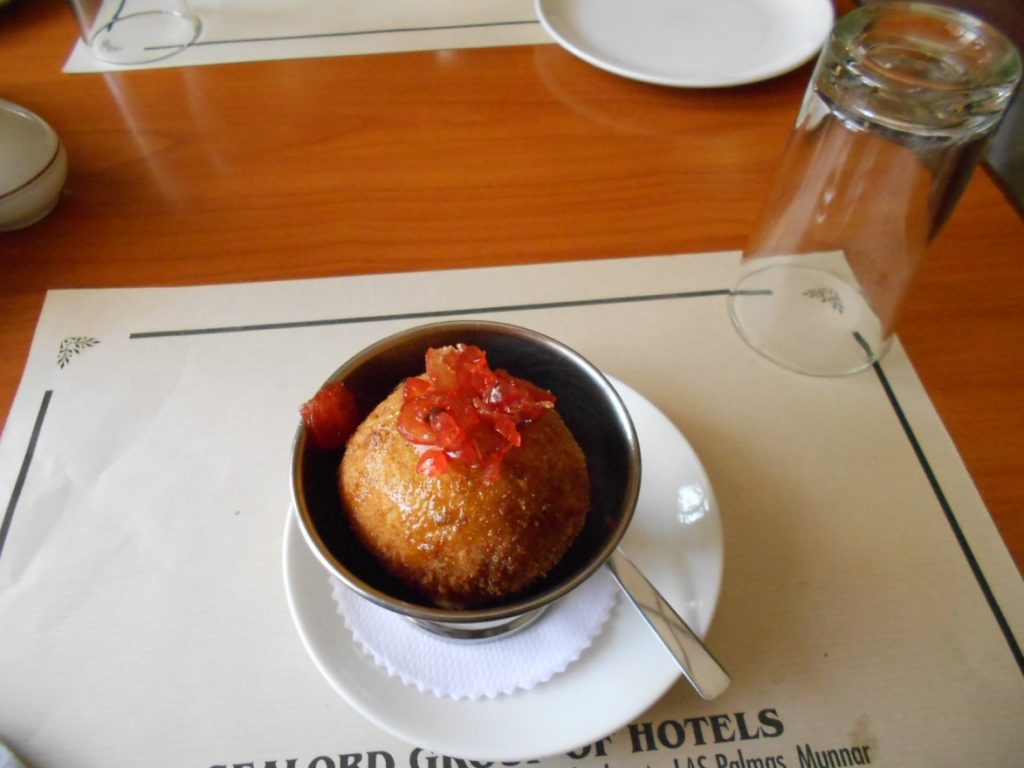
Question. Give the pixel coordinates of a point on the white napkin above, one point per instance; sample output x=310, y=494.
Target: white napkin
x=467, y=670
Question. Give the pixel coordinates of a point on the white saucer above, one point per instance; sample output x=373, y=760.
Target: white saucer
x=690, y=43
x=676, y=539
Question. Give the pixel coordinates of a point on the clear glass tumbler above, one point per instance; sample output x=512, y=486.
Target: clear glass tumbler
x=136, y=31
x=892, y=125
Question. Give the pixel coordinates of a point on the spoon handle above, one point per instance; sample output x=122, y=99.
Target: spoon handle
x=699, y=667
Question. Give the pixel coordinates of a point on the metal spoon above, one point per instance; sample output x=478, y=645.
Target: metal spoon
x=698, y=666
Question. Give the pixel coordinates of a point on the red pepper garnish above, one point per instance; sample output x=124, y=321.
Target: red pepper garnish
x=466, y=413
x=331, y=416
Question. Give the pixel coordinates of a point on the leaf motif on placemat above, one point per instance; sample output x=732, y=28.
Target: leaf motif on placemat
x=826, y=296
x=74, y=345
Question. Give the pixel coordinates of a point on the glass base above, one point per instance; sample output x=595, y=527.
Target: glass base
x=144, y=37
x=807, y=320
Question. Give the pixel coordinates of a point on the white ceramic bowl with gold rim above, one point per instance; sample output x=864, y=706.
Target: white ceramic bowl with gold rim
x=33, y=167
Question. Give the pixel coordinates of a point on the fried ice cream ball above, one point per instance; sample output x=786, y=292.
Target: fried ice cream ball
x=459, y=539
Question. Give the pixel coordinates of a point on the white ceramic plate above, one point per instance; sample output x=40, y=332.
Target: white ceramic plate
x=690, y=43
x=675, y=537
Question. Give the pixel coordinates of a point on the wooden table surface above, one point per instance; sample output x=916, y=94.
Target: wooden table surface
x=432, y=160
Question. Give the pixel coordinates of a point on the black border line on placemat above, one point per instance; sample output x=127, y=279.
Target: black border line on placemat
x=361, y=33
x=429, y=314
x=26, y=462
x=954, y=524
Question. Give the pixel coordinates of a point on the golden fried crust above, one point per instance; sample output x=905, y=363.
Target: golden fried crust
x=457, y=541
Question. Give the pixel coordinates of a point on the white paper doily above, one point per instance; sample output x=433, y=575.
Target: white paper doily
x=462, y=670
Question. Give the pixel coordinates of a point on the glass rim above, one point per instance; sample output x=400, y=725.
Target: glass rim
x=1005, y=63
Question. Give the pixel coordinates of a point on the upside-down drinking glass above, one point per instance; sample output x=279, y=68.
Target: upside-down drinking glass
x=136, y=31
x=892, y=125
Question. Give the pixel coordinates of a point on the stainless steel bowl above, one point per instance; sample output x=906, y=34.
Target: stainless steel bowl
x=587, y=403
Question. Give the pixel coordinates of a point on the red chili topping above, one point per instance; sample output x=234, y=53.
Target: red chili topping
x=331, y=416
x=466, y=413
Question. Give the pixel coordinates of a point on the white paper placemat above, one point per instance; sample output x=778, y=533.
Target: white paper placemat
x=260, y=30
x=869, y=604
